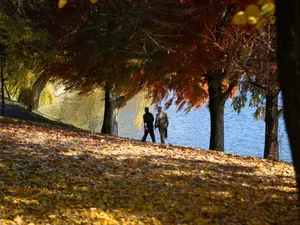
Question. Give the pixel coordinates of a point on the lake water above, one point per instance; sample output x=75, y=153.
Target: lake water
x=243, y=135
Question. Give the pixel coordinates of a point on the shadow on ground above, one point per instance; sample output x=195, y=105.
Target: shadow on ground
x=60, y=185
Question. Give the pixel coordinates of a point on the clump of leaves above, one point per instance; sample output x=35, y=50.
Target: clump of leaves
x=256, y=14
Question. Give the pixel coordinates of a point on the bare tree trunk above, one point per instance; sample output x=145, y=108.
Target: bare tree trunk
x=7, y=92
x=271, y=134
x=217, y=100
x=2, y=85
x=216, y=111
x=289, y=72
x=111, y=110
x=37, y=89
x=110, y=123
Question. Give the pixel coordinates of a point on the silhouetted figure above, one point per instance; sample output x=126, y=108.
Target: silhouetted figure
x=162, y=123
x=148, y=125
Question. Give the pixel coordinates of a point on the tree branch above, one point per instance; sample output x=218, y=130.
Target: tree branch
x=156, y=43
x=279, y=113
x=120, y=100
x=256, y=84
x=228, y=12
x=229, y=90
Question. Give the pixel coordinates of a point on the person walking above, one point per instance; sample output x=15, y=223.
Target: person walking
x=148, y=125
x=162, y=123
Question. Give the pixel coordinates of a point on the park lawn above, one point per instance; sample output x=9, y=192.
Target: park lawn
x=59, y=176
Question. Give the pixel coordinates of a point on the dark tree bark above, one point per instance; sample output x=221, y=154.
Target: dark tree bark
x=111, y=108
x=216, y=109
x=271, y=131
x=2, y=85
x=7, y=92
x=216, y=106
x=289, y=72
x=37, y=89
x=110, y=123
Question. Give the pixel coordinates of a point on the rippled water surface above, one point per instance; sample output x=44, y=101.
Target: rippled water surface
x=243, y=135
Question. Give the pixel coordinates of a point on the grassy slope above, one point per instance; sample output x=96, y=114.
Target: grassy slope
x=15, y=110
x=60, y=176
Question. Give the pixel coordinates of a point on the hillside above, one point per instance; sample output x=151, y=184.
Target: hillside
x=15, y=110
x=61, y=176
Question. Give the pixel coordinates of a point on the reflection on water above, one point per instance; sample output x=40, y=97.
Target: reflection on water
x=243, y=135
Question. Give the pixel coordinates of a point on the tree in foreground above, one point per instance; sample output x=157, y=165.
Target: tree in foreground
x=288, y=58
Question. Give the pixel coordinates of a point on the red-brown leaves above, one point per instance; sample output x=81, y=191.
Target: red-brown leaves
x=209, y=44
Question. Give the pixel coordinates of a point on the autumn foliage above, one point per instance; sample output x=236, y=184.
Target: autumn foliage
x=206, y=47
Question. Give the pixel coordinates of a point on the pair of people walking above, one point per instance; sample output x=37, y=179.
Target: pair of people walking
x=161, y=122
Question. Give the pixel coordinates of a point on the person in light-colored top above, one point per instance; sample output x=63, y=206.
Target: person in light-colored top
x=162, y=123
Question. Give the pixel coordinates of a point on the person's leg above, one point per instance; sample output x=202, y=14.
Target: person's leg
x=152, y=135
x=162, y=135
x=145, y=136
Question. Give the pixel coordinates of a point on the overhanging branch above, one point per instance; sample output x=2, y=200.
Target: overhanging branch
x=279, y=113
x=227, y=93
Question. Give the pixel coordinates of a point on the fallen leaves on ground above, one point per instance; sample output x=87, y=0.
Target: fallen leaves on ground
x=58, y=176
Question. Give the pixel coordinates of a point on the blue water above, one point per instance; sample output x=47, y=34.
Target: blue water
x=243, y=134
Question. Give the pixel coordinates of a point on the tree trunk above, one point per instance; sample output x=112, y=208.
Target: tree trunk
x=110, y=123
x=271, y=133
x=216, y=110
x=7, y=92
x=2, y=86
x=289, y=73
x=37, y=89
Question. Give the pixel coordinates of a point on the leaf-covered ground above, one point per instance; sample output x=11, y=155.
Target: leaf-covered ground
x=53, y=176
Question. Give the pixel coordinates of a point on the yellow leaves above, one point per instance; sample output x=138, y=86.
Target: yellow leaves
x=94, y=214
x=261, y=23
x=136, y=183
x=256, y=14
x=103, y=217
x=180, y=184
x=268, y=9
x=62, y=186
x=239, y=18
x=62, y=3
x=52, y=216
x=17, y=200
x=84, y=188
x=252, y=14
x=3, y=169
x=93, y=1
x=18, y=220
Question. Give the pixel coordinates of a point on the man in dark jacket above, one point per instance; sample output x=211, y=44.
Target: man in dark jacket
x=148, y=125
